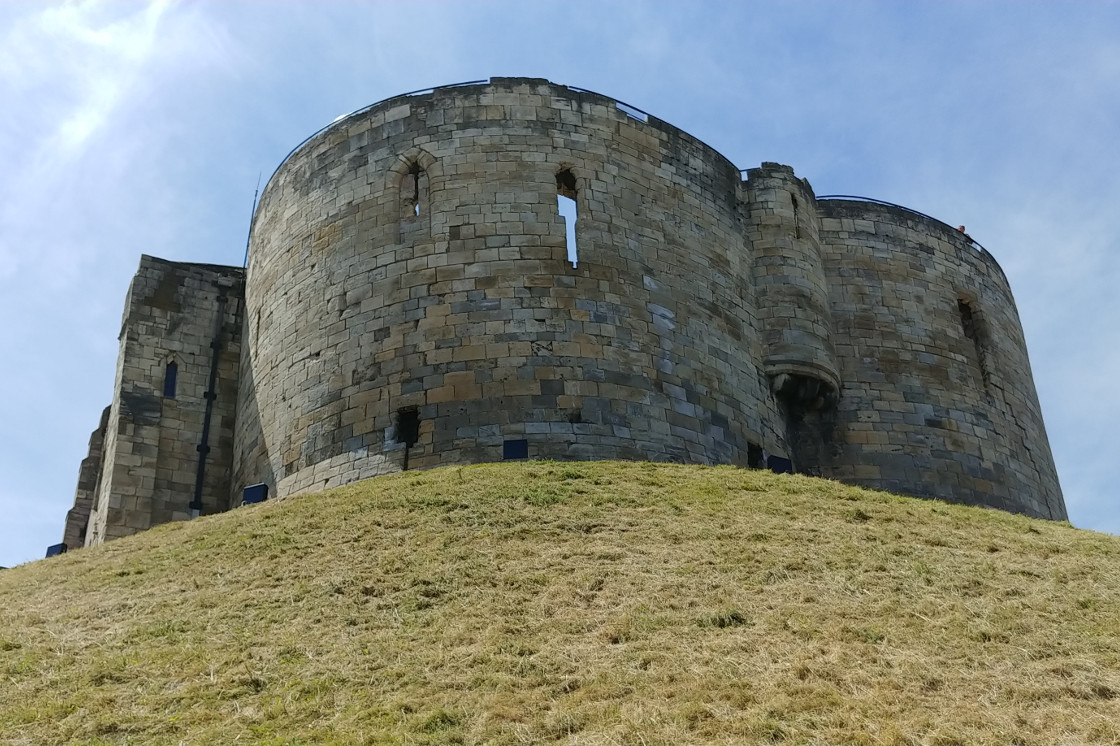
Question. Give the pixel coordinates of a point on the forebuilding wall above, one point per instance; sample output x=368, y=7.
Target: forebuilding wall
x=181, y=314
x=411, y=300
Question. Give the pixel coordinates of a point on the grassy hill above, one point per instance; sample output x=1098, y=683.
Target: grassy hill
x=591, y=603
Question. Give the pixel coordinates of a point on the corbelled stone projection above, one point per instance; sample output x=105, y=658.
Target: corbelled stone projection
x=413, y=298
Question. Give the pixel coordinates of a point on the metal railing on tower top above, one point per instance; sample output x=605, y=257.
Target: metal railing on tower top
x=855, y=198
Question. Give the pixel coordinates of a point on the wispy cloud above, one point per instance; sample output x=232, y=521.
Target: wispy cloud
x=64, y=70
x=87, y=108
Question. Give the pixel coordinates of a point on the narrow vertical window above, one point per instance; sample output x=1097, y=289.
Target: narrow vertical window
x=170, y=378
x=796, y=218
x=755, y=456
x=408, y=431
x=569, y=213
x=414, y=191
x=973, y=325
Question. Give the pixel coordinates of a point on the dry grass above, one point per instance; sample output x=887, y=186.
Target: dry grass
x=589, y=603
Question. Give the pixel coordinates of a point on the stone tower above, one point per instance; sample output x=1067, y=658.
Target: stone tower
x=409, y=302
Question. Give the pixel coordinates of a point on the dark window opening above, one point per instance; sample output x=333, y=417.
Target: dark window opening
x=414, y=191
x=973, y=326
x=796, y=218
x=515, y=449
x=170, y=379
x=408, y=431
x=568, y=209
x=408, y=426
x=754, y=456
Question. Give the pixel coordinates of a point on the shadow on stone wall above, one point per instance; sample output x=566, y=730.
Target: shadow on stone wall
x=252, y=463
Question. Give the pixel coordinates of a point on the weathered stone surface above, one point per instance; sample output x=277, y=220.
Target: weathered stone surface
x=410, y=261
x=152, y=433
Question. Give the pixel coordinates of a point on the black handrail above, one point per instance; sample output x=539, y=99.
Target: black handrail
x=612, y=98
x=363, y=109
x=211, y=394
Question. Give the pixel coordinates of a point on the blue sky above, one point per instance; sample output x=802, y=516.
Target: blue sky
x=129, y=128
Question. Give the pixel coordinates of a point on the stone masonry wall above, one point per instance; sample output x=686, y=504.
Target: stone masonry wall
x=409, y=302
x=89, y=475
x=925, y=409
x=172, y=315
x=469, y=314
x=789, y=281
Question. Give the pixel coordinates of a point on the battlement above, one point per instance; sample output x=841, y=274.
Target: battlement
x=414, y=297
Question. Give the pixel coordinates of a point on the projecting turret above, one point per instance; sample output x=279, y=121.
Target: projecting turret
x=790, y=288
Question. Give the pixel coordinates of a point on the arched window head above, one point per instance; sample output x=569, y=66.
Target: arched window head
x=414, y=191
x=568, y=208
x=410, y=179
x=566, y=183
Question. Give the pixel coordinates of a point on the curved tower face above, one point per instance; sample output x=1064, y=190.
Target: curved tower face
x=415, y=298
x=938, y=398
x=413, y=301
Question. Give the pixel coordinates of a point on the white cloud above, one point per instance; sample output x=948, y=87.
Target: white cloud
x=64, y=70
x=86, y=123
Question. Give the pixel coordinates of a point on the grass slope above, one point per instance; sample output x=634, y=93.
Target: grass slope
x=590, y=603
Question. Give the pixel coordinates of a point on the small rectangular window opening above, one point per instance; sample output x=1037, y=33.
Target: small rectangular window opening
x=755, y=459
x=567, y=207
x=408, y=431
x=515, y=449
x=796, y=218
x=414, y=186
x=170, y=376
x=408, y=426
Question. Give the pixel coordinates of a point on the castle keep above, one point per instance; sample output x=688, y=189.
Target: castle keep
x=413, y=298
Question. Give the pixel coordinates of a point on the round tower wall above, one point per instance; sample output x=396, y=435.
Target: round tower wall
x=938, y=397
x=410, y=302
